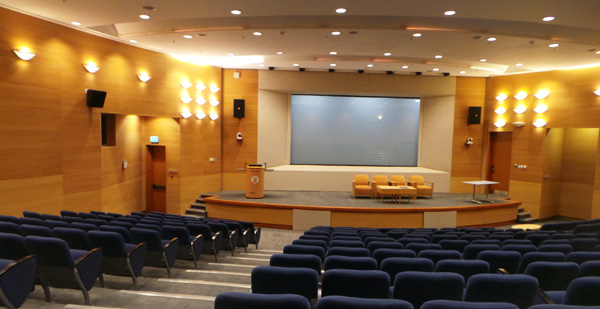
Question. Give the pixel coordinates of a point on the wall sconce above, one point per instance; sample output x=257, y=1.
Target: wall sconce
x=521, y=95
x=91, y=67
x=597, y=92
x=213, y=116
x=520, y=109
x=500, y=110
x=144, y=77
x=24, y=54
x=200, y=86
x=500, y=123
x=501, y=97
x=541, y=108
x=186, y=99
x=518, y=123
x=213, y=88
x=186, y=114
x=542, y=94
x=200, y=115
x=539, y=123
x=200, y=100
x=214, y=102
x=185, y=83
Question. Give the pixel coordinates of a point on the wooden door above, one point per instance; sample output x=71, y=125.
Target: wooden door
x=500, y=152
x=156, y=179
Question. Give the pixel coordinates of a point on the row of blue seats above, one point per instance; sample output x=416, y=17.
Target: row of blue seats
x=582, y=226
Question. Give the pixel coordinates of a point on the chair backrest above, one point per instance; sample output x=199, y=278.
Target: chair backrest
x=315, y=237
x=553, y=276
x=51, y=217
x=537, y=238
x=420, y=247
x=517, y=289
x=55, y=223
x=563, y=248
x=507, y=260
x=516, y=242
x=112, y=243
x=458, y=245
x=346, y=302
x=471, y=251
x=486, y=242
x=296, y=260
x=229, y=300
x=589, y=269
x=31, y=221
x=381, y=254
x=84, y=226
x=583, y=292
x=300, y=249
x=583, y=244
x=124, y=224
x=35, y=230
x=32, y=214
x=73, y=219
x=531, y=257
x=374, y=245
x=455, y=304
x=12, y=246
x=75, y=238
x=283, y=280
x=68, y=213
x=9, y=227
x=395, y=265
x=196, y=229
x=347, y=243
x=151, y=237
x=356, y=283
x=465, y=268
x=438, y=255
x=87, y=215
x=306, y=242
x=380, y=180
x=348, y=251
x=399, y=179
x=5, y=218
x=582, y=256
x=522, y=249
x=361, y=179
x=418, y=179
x=118, y=229
x=435, y=239
x=419, y=287
x=349, y=262
x=181, y=232
x=49, y=251
x=96, y=222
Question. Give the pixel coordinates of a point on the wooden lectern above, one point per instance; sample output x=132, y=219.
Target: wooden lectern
x=255, y=179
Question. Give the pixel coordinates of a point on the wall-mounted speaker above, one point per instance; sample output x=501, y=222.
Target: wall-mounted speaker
x=239, y=108
x=95, y=98
x=474, y=115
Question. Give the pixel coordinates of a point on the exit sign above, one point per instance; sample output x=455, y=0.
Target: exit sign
x=154, y=139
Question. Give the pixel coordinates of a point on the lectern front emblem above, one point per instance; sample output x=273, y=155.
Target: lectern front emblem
x=255, y=179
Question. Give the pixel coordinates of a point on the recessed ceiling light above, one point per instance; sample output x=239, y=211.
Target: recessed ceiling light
x=133, y=41
x=598, y=52
x=333, y=53
x=231, y=54
x=340, y=10
x=332, y=64
x=144, y=16
x=519, y=64
x=462, y=72
x=296, y=64
x=553, y=45
x=236, y=12
x=482, y=60
x=369, y=65
x=436, y=69
x=548, y=18
x=449, y=13
x=417, y=35
x=438, y=56
x=491, y=39
x=387, y=54
x=187, y=36
x=280, y=53
x=336, y=33
x=257, y=33
x=405, y=67
x=75, y=23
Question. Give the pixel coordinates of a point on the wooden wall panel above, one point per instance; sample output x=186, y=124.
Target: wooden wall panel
x=553, y=154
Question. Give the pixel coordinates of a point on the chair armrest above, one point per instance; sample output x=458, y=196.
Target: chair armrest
x=87, y=254
x=411, y=184
x=215, y=235
x=196, y=238
x=21, y=260
x=393, y=183
x=503, y=271
x=246, y=231
x=231, y=233
x=429, y=182
x=547, y=299
x=136, y=248
x=165, y=246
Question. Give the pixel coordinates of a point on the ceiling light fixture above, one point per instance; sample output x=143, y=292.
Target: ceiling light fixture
x=542, y=94
x=185, y=98
x=371, y=65
x=436, y=69
x=187, y=36
x=186, y=114
x=405, y=67
x=387, y=54
x=597, y=92
x=449, y=13
x=91, y=67
x=335, y=33
x=280, y=53
x=145, y=17
x=200, y=86
x=332, y=64
x=236, y=12
x=519, y=64
x=548, y=18
x=482, y=60
x=133, y=41
x=521, y=95
x=333, y=53
x=200, y=100
x=417, y=35
x=231, y=54
x=24, y=53
x=185, y=83
x=213, y=88
x=438, y=56
x=462, y=72
x=257, y=33
x=296, y=64
x=214, y=102
x=144, y=77
x=491, y=39
x=75, y=23
x=340, y=10
x=553, y=45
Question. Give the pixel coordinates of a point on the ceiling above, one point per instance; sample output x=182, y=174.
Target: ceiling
x=302, y=30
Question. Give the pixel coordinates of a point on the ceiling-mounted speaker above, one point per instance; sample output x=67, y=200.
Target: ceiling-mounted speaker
x=418, y=73
x=271, y=68
x=446, y=74
x=361, y=71
x=301, y=69
x=389, y=72
x=95, y=98
x=331, y=70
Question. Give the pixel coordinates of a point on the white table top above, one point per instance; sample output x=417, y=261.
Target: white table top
x=481, y=182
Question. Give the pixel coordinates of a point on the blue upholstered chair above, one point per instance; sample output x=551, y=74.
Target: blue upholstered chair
x=87, y=215
x=453, y=304
x=230, y=300
x=9, y=227
x=521, y=248
x=435, y=239
x=96, y=222
x=374, y=245
x=356, y=283
x=32, y=214
x=119, y=229
x=212, y=241
x=348, y=251
x=583, y=292
x=449, y=244
x=516, y=242
x=381, y=254
x=75, y=238
x=230, y=238
x=347, y=243
x=486, y=241
x=190, y=247
x=315, y=237
x=563, y=248
x=284, y=280
x=471, y=251
x=531, y=257
x=589, y=269
x=35, y=230
x=438, y=255
x=299, y=249
x=129, y=219
x=73, y=219
x=396, y=265
x=406, y=241
x=68, y=213
x=254, y=232
x=5, y=218
x=56, y=223
x=349, y=262
x=537, y=238
x=507, y=260
x=160, y=253
x=583, y=256
x=345, y=302
x=31, y=221
x=244, y=235
x=420, y=247
x=62, y=267
x=12, y=246
x=583, y=244
x=516, y=289
x=307, y=242
x=418, y=287
x=553, y=276
x=16, y=280
x=296, y=261
x=119, y=258
x=465, y=268
x=84, y=226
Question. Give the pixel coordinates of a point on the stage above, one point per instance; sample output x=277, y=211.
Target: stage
x=302, y=209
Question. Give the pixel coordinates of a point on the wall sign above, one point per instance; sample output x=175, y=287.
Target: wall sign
x=154, y=139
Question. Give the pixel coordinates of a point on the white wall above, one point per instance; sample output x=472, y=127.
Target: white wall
x=273, y=128
x=437, y=133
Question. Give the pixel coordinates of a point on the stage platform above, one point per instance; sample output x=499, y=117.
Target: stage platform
x=302, y=209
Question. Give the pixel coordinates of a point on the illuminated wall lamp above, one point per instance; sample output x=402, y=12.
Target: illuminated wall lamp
x=186, y=114
x=521, y=95
x=186, y=99
x=518, y=123
x=542, y=94
x=144, y=77
x=213, y=116
x=539, y=123
x=91, y=67
x=24, y=54
x=185, y=83
x=500, y=123
x=214, y=88
x=200, y=86
x=520, y=109
x=542, y=108
x=501, y=97
x=200, y=115
x=200, y=100
x=597, y=92
x=214, y=102
x=500, y=110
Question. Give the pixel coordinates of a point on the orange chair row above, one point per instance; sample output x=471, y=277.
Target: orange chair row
x=362, y=186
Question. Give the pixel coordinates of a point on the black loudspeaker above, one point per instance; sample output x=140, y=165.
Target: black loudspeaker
x=474, y=115
x=95, y=98
x=239, y=107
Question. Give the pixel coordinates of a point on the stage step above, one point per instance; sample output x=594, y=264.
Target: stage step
x=196, y=212
x=523, y=215
x=527, y=220
x=198, y=208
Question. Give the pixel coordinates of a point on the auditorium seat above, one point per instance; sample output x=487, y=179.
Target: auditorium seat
x=420, y=247
x=284, y=280
x=465, y=268
x=190, y=247
x=580, y=292
x=553, y=276
x=9, y=227
x=31, y=221
x=424, y=188
x=361, y=186
x=32, y=214
x=522, y=249
x=17, y=278
x=73, y=219
x=54, y=223
x=346, y=243
x=516, y=289
x=51, y=217
x=381, y=254
x=229, y=300
x=306, y=242
x=471, y=251
x=589, y=269
x=453, y=304
x=84, y=226
x=438, y=255
x=12, y=246
x=435, y=239
x=119, y=229
x=583, y=256
x=531, y=257
x=349, y=262
x=458, y=245
x=563, y=248
x=254, y=232
x=75, y=238
x=160, y=253
x=356, y=283
x=345, y=302
x=212, y=241
x=299, y=249
x=395, y=265
x=243, y=235
x=583, y=244
x=348, y=251
x=296, y=260
x=35, y=230
x=507, y=260
x=419, y=287
x=374, y=245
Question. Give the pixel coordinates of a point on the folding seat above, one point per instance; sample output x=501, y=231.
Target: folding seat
x=9, y=227
x=420, y=247
x=119, y=258
x=138, y=214
x=553, y=276
x=516, y=242
x=419, y=287
x=418, y=235
x=435, y=239
x=130, y=219
x=244, y=235
x=149, y=221
x=318, y=243
x=212, y=241
x=522, y=249
x=114, y=215
x=457, y=233
x=149, y=227
x=516, y=289
x=16, y=280
x=4, y=218
x=555, y=242
x=12, y=246
x=583, y=228
x=190, y=247
x=97, y=213
x=471, y=251
x=381, y=254
x=348, y=251
x=86, y=215
x=589, y=269
x=537, y=238
x=106, y=218
x=96, y=222
x=229, y=238
x=562, y=236
x=32, y=214
x=406, y=241
x=62, y=267
x=585, y=235
x=356, y=283
x=283, y=280
x=454, y=304
x=395, y=265
x=349, y=262
x=507, y=260
x=119, y=229
x=458, y=245
x=485, y=234
x=345, y=302
x=369, y=240
x=438, y=255
x=486, y=242
x=160, y=253
x=124, y=224
x=523, y=234
x=385, y=229
x=229, y=300
x=318, y=232
x=580, y=292
x=345, y=233
x=254, y=232
x=346, y=243
x=500, y=236
x=583, y=256
x=337, y=237
x=470, y=237
x=583, y=244
x=366, y=234
x=51, y=217
x=564, y=248
x=54, y=223
x=531, y=257
x=470, y=230
x=84, y=226
x=31, y=221
x=374, y=245
x=30, y=230
x=73, y=219
x=465, y=268
x=396, y=234
x=296, y=260
x=299, y=249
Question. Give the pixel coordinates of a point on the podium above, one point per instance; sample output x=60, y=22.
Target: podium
x=255, y=179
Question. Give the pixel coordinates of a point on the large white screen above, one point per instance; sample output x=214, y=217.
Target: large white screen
x=341, y=130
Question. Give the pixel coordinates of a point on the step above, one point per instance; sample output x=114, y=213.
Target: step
x=521, y=209
x=206, y=195
x=200, y=201
x=527, y=220
x=523, y=215
x=198, y=206
x=196, y=212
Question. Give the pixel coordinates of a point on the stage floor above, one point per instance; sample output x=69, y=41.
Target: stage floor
x=344, y=199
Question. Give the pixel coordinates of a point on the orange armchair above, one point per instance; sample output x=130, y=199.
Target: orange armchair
x=398, y=180
x=361, y=186
x=424, y=188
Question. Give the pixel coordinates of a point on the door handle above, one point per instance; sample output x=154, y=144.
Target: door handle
x=492, y=169
x=155, y=186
